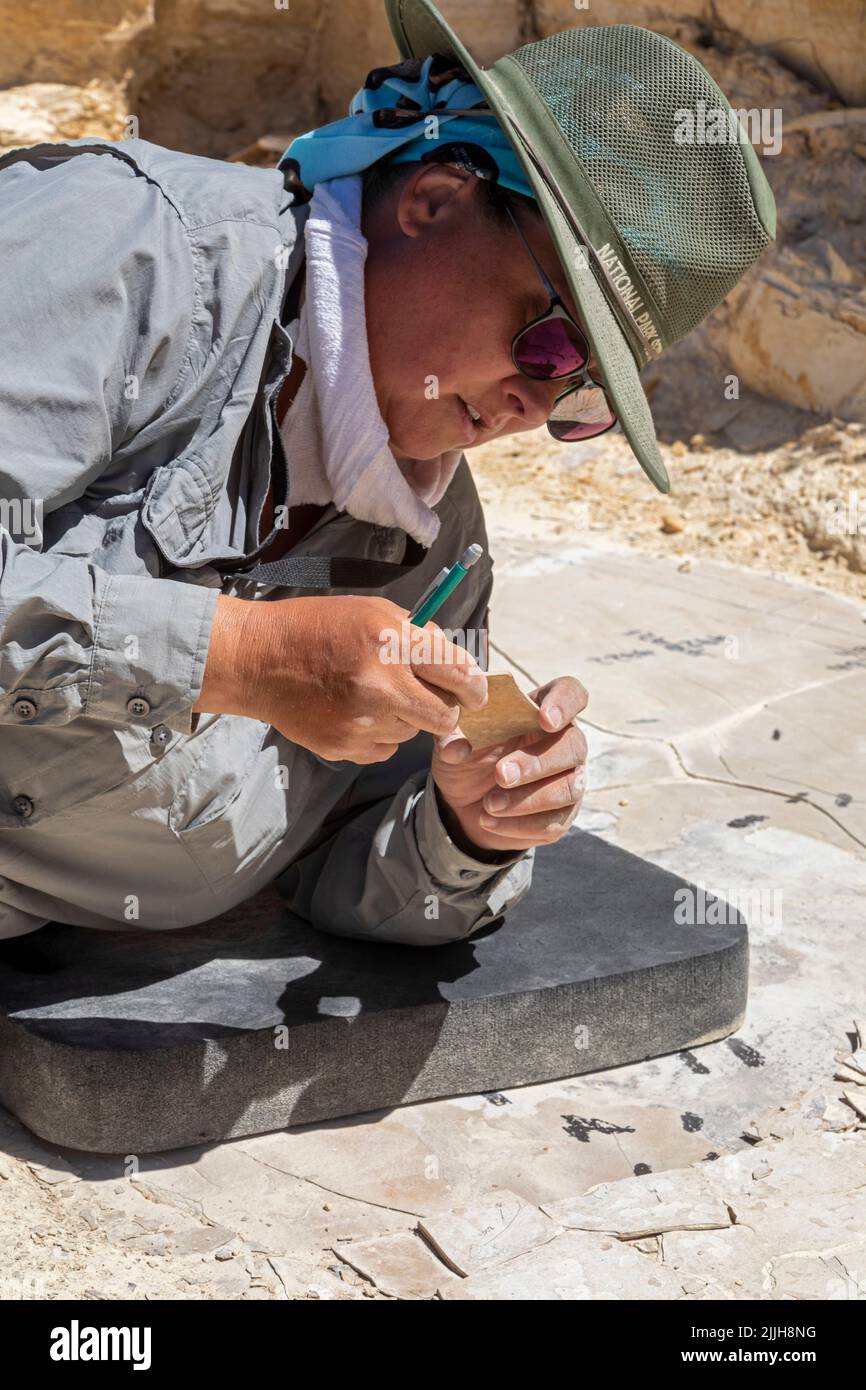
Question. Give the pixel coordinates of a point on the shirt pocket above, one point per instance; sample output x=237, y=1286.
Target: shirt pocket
x=57, y=769
x=233, y=806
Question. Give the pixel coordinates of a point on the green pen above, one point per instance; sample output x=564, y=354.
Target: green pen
x=428, y=606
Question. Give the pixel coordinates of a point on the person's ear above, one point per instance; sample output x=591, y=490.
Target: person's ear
x=434, y=195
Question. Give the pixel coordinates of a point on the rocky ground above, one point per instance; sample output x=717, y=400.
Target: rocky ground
x=780, y=1217
x=795, y=509
x=64, y=1236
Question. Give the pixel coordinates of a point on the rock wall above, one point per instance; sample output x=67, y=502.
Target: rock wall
x=823, y=40
x=210, y=74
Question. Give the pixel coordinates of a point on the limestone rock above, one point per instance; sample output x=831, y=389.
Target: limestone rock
x=400, y=1264
x=575, y=1266
x=473, y=1238
x=48, y=111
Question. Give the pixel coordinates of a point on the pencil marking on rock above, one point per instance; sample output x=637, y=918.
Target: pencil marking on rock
x=580, y=1127
x=749, y=1056
x=495, y=1097
x=694, y=1065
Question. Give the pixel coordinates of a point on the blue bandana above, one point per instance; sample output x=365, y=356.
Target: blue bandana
x=402, y=112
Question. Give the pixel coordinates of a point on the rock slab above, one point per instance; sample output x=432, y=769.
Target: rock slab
x=137, y=1041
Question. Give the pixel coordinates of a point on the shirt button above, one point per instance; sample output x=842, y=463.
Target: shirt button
x=160, y=736
x=23, y=806
x=138, y=707
x=468, y=873
x=25, y=709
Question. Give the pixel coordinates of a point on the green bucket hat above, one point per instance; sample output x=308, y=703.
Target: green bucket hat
x=652, y=231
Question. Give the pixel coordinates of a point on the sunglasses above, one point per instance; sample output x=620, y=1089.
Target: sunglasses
x=553, y=348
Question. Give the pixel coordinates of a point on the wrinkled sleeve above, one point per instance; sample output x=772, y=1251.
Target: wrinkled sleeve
x=97, y=296
x=391, y=872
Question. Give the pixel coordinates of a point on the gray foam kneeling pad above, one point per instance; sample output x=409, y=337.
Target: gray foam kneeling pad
x=137, y=1041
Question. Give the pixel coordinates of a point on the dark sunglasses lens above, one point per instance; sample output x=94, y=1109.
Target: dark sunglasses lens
x=550, y=349
x=581, y=414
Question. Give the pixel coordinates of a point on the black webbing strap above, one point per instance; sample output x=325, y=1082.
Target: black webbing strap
x=329, y=572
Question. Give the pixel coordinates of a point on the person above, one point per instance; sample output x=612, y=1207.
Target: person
x=235, y=405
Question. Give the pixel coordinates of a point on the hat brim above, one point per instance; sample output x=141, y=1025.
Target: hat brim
x=418, y=30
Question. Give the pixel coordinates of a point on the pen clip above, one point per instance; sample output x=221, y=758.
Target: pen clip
x=434, y=584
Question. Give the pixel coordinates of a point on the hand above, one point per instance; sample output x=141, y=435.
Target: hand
x=540, y=802
x=347, y=677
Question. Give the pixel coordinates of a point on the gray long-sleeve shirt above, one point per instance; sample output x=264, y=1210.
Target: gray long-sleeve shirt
x=140, y=359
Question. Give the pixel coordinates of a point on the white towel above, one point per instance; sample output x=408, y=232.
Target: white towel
x=335, y=438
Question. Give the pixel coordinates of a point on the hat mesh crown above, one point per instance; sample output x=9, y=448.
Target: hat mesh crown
x=684, y=211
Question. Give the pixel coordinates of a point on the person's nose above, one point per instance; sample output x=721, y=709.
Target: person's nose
x=530, y=401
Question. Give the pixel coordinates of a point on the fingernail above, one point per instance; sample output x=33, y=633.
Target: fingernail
x=496, y=801
x=510, y=772
x=554, y=716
